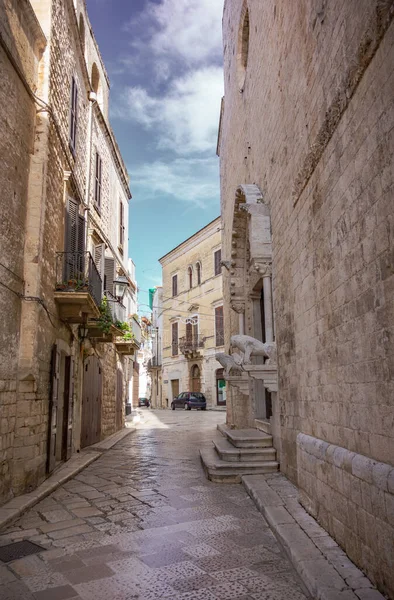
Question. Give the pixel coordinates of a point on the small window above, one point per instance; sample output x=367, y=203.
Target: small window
x=121, y=225
x=82, y=31
x=73, y=116
x=98, y=180
x=174, y=344
x=175, y=285
x=218, y=260
x=190, y=277
x=219, y=329
x=198, y=269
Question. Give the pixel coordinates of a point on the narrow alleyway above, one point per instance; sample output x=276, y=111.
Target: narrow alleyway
x=142, y=522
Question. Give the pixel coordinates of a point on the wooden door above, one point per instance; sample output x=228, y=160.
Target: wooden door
x=195, y=379
x=119, y=400
x=91, y=402
x=53, y=406
x=175, y=388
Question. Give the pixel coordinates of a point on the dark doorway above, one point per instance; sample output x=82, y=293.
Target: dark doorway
x=91, y=402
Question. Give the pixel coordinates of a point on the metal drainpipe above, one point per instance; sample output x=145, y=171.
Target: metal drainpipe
x=92, y=100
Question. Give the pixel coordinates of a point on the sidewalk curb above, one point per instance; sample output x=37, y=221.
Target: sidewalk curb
x=325, y=569
x=13, y=509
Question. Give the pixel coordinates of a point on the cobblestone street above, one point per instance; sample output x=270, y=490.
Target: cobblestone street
x=142, y=522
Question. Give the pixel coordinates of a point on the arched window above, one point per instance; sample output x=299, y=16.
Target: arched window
x=190, y=276
x=243, y=46
x=198, y=269
x=81, y=28
x=95, y=80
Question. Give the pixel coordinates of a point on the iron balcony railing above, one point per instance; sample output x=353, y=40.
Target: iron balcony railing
x=76, y=272
x=136, y=330
x=191, y=344
x=118, y=310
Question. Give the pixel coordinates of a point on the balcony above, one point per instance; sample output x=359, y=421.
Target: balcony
x=118, y=310
x=117, y=313
x=78, y=287
x=131, y=341
x=190, y=346
x=154, y=363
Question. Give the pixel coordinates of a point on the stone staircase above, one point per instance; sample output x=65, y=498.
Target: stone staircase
x=238, y=452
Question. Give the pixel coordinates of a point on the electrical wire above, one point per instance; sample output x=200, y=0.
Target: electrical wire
x=39, y=301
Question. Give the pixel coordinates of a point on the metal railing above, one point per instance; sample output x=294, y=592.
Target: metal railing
x=118, y=310
x=77, y=272
x=191, y=344
x=136, y=330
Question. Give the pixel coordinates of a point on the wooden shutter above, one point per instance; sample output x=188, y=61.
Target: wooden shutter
x=198, y=267
x=219, y=329
x=99, y=250
x=53, y=404
x=175, y=285
x=174, y=329
x=218, y=259
x=189, y=332
x=109, y=274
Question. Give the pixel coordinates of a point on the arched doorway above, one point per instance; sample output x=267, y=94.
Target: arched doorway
x=91, y=402
x=220, y=388
x=195, y=379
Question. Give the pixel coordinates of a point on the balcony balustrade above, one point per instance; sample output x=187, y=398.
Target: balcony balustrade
x=190, y=345
x=78, y=286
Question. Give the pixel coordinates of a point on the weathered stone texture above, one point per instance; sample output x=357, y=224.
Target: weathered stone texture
x=313, y=128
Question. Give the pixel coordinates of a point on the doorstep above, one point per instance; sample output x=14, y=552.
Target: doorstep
x=323, y=566
x=13, y=509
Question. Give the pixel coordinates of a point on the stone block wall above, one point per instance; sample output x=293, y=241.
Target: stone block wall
x=312, y=126
x=352, y=496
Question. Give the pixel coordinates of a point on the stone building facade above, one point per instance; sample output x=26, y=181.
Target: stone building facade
x=192, y=311
x=306, y=149
x=54, y=275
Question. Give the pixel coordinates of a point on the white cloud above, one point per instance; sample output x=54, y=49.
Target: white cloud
x=193, y=181
x=186, y=118
x=185, y=30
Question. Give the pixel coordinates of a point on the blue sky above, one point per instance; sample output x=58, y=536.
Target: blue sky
x=164, y=61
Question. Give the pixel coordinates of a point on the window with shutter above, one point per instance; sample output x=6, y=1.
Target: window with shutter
x=98, y=179
x=190, y=276
x=98, y=258
x=73, y=116
x=219, y=329
x=109, y=274
x=175, y=285
x=174, y=346
x=121, y=225
x=218, y=260
x=198, y=269
x=75, y=242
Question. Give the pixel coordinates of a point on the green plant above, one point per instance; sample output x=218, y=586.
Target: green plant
x=105, y=320
x=125, y=327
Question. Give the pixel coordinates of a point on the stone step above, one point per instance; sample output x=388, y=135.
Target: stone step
x=228, y=452
x=263, y=425
x=221, y=471
x=246, y=438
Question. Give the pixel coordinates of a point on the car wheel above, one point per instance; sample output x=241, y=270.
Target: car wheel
x=172, y=406
x=203, y=409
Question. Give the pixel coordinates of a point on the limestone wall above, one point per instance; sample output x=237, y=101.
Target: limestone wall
x=313, y=127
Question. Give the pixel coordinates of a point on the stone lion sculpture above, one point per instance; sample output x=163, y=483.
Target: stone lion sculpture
x=249, y=346
x=230, y=363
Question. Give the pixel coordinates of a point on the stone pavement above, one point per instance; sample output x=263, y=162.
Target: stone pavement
x=142, y=522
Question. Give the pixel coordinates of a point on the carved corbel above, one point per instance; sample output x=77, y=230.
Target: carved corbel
x=264, y=268
x=238, y=306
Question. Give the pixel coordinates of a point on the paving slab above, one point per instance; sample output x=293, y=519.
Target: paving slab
x=324, y=568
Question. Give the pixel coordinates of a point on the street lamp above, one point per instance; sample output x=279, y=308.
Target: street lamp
x=121, y=283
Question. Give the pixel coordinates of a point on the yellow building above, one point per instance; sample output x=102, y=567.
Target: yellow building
x=192, y=310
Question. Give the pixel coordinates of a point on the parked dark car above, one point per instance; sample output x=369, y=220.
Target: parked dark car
x=189, y=400
x=143, y=402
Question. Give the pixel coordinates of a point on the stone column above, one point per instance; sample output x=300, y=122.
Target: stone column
x=265, y=270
